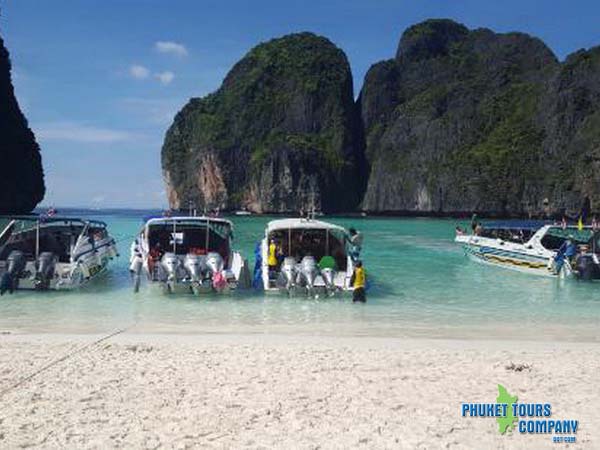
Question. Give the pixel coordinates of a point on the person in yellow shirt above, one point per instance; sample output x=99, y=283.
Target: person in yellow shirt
x=359, y=281
x=272, y=258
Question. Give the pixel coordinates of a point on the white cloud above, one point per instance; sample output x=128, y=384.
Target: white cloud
x=77, y=132
x=139, y=72
x=171, y=47
x=165, y=77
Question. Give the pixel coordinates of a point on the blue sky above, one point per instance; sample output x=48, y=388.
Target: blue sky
x=100, y=81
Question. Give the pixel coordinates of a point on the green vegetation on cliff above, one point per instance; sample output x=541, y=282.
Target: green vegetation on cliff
x=282, y=125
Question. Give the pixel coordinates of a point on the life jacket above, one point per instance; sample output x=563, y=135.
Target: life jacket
x=359, y=278
x=272, y=261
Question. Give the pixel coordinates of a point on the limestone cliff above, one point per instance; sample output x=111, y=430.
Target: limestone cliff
x=454, y=122
x=21, y=174
x=282, y=128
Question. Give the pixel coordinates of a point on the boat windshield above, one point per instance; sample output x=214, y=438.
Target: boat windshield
x=517, y=235
x=510, y=231
x=195, y=237
x=57, y=237
x=317, y=242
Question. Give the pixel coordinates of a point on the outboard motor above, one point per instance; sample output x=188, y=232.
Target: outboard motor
x=215, y=262
x=195, y=265
x=15, y=266
x=328, y=275
x=170, y=266
x=309, y=271
x=135, y=268
x=586, y=267
x=45, y=265
x=288, y=273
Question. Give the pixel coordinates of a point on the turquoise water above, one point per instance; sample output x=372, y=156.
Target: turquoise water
x=424, y=286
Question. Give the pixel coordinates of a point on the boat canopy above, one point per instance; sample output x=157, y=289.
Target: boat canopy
x=306, y=224
x=305, y=237
x=52, y=219
x=583, y=236
x=33, y=234
x=183, y=235
x=162, y=220
x=530, y=225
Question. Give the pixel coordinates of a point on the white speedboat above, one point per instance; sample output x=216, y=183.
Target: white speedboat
x=188, y=254
x=536, y=247
x=312, y=256
x=42, y=253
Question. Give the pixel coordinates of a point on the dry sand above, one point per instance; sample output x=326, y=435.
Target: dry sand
x=172, y=391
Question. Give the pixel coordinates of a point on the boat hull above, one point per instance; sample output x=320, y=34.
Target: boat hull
x=67, y=276
x=509, y=259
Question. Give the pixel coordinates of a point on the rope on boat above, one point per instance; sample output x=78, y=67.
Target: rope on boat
x=61, y=359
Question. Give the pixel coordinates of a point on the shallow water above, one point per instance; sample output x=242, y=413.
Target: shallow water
x=423, y=286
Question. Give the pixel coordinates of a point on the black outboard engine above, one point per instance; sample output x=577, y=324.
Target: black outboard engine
x=15, y=265
x=587, y=267
x=45, y=266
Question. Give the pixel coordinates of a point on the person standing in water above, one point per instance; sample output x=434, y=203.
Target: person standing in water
x=359, y=281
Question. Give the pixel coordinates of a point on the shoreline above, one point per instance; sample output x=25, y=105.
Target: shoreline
x=554, y=333
x=129, y=337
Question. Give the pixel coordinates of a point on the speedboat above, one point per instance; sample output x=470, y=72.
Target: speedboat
x=543, y=248
x=43, y=253
x=312, y=257
x=188, y=254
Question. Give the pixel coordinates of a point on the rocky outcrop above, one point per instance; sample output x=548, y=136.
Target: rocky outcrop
x=21, y=174
x=464, y=120
x=453, y=122
x=570, y=114
x=459, y=120
x=281, y=130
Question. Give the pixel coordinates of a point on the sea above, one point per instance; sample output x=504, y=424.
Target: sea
x=422, y=286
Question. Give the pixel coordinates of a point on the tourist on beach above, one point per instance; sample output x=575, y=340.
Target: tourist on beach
x=358, y=282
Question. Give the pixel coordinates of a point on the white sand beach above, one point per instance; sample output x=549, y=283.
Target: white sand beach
x=253, y=391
